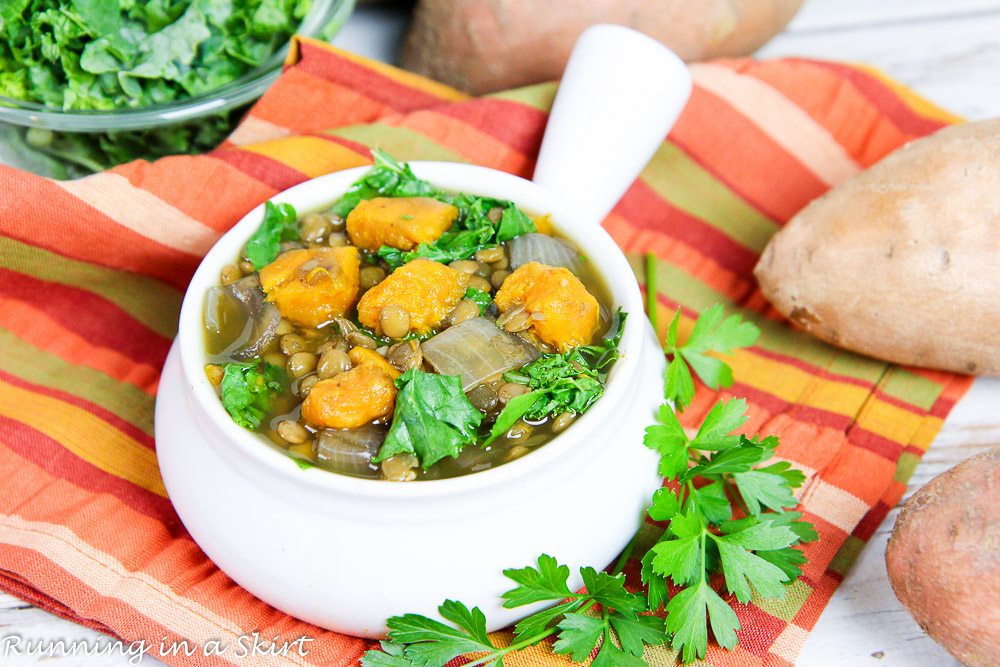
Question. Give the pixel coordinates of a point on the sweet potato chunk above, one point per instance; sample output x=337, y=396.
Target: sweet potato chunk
x=426, y=290
x=400, y=222
x=351, y=399
x=564, y=314
x=311, y=287
x=362, y=355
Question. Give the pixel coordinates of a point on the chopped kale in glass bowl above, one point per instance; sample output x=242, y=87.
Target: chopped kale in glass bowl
x=87, y=84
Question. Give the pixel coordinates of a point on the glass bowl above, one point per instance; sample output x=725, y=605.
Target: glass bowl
x=37, y=127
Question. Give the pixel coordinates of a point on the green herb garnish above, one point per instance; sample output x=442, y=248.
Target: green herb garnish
x=279, y=225
x=606, y=615
x=712, y=333
x=387, y=178
x=247, y=390
x=730, y=515
x=567, y=382
x=473, y=231
x=433, y=418
x=481, y=298
x=718, y=471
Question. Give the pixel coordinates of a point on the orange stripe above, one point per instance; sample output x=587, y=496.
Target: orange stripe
x=142, y=212
x=917, y=103
x=710, y=128
x=472, y=144
x=27, y=199
x=214, y=192
x=396, y=74
x=85, y=435
x=785, y=123
x=719, y=278
x=853, y=120
x=150, y=549
x=110, y=579
x=39, y=330
x=319, y=104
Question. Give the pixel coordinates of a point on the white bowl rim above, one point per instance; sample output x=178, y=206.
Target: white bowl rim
x=610, y=265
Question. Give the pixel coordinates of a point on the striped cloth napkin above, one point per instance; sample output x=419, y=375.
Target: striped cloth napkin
x=92, y=272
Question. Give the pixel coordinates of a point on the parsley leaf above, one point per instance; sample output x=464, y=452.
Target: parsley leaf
x=544, y=583
x=568, y=382
x=391, y=655
x=481, y=298
x=430, y=642
x=578, y=635
x=247, y=389
x=387, y=178
x=433, y=418
x=713, y=332
x=279, y=225
x=686, y=614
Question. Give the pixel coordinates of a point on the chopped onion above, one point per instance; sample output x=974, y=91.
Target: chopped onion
x=350, y=451
x=242, y=302
x=544, y=249
x=476, y=350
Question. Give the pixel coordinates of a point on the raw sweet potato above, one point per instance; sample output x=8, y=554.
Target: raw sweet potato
x=944, y=559
x=483, y=46
x=902, y=262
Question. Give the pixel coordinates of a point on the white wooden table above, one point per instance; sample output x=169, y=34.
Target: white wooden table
x=950, y=53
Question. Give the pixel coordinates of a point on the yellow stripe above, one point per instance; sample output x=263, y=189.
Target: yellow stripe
x=919, y=104
x=871, y=413
x=446, y=93
x=87, y=436
x=310, y=155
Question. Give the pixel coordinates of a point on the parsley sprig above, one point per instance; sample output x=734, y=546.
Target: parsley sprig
x=725, y=515
x=713, y=333
x=604, y=614
x=731, y=530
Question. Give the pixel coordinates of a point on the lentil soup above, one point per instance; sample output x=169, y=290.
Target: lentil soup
x=407, y=333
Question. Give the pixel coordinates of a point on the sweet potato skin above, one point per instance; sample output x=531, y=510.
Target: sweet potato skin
x=900, y=262
x=482, y=46
x=569, y=313
x=313, y=286
x=399, y=222
x=943, y=559
x=427, y=290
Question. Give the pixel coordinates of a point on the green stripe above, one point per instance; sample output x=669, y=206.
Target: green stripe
x=786, y=608
x=904, y=385
x=149, y=301
x=539, y=96
x=905, y=466
x=48, y=370
x=689, y=187
x=402, y=142
x=847, y=554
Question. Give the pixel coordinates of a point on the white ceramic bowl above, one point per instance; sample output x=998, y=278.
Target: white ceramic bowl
x=346, y=553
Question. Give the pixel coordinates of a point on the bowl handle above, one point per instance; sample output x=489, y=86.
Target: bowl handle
x=620, y=95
